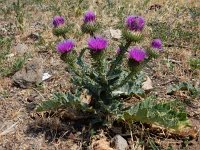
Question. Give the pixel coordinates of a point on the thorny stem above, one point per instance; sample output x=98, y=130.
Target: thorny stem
x=99, y=67
x=74, y=69
x=124, y=81
x=86, y=70
x=64, y=36
x=119, y=58
x=92, y=34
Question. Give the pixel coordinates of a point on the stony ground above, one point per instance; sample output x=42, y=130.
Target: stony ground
x=27, y=43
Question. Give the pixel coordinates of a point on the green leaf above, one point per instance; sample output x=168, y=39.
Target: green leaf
x=79, y=59
x=167, y=114
x=62, y=100
x=185, y=87
x=195, y=63
x=131, y=87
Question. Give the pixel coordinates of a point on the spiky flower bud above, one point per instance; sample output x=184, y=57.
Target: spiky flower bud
x=97, y=44
x=133, y=27
x=61, y=31
x=89, y=23
x=132, y=36
x=65, y=47
x=156, y=48
x=89, y=16
x=59, y=28
x=156, y=44
x=136, y=56
x=135, y=23
x=58, y=21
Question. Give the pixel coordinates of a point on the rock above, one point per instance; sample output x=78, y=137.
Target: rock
x=115, y=34
x=21, y=49
x=106, y=34
x=10, y=55
x=30, y=75
x=119, y=143
x=112, y=33
x=147, y=85
x=46, y=76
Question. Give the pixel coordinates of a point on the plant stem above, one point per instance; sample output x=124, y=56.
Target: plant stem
x=92, y=34
x=74, y=69
x=130, y=75
x=119, y=58
x=64, y=36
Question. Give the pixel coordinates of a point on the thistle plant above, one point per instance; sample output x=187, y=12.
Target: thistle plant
x=107, y=80
x=59, y=26
x=90, y=25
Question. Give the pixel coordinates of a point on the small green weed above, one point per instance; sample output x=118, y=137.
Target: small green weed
x=180, y=34
x=184, y=86
x=16, y=65
x=19, y=12
x=195, y=63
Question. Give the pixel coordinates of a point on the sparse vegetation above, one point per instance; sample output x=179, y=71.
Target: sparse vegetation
x=19, y=12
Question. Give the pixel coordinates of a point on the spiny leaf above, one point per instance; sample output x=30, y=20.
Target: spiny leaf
x=169, y=114
x=131, y=87
x=195, y=63
x=184, y=86
x=62, y=100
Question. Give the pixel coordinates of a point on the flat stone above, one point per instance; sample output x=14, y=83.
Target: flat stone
x=106, y=34
x=119, y=143
x=147, y=85
x=115, y=34
x=30, y=75
x=46, y=76
x=21, y=48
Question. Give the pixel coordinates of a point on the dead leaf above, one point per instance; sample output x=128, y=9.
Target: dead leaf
x=101, y=144
x=85, y=98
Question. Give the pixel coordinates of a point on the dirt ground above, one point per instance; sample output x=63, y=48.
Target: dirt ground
x=22, y=128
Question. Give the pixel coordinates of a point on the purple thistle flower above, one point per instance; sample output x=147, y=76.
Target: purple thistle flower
x=65, y=46
x=97, y=44
x=137, y=54
x=135, y=23
x=89, y=16
x=58, y=20
x=156, y=43
x=118, y=50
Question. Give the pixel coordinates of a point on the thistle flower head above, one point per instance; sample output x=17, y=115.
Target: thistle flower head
x=97, y=44
x=157, y=44
x=58, y=20
x=137, y=54
x=65, y=46
x=118, y=50
x=135, y=23
x=89, y=16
